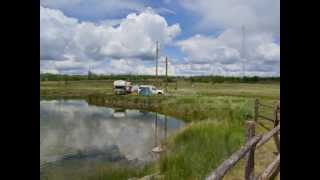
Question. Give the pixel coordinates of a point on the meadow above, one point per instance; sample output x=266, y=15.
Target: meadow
x=215, y=113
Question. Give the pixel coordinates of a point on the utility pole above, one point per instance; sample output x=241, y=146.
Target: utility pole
x=89, y=72
x=243, y=50
x=166, y=74
x=176, y=83
x=157, y=54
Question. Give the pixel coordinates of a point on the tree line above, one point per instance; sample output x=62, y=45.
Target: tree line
x=137, y=78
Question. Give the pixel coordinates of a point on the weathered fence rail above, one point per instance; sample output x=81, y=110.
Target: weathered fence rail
x=219, y=172
x=257, y=115
x=265, y=138
x=266, y=105
x=247, y=151
x=272, y=169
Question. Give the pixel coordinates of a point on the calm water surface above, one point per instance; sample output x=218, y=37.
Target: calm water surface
x=73, y=129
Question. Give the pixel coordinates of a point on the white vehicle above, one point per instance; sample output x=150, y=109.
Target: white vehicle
x=153, y=89
x=135, y=88
x=121, y=87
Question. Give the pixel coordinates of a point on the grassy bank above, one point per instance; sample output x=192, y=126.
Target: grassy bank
x=199, y=148
x=184, y=88
x=215, y=112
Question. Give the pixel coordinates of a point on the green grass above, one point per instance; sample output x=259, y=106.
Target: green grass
x=216, y=114
x=187, y=108
x=199, y=149
x=103, y=87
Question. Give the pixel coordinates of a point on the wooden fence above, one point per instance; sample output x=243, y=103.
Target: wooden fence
x=254, y=142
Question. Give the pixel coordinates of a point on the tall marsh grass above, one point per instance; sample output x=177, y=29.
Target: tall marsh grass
x=203, y=145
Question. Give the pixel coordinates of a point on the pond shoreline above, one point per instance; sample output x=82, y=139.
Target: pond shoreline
x=141, y=129
x=215, y=115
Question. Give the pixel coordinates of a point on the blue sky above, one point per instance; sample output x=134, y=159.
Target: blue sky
x=199, y=38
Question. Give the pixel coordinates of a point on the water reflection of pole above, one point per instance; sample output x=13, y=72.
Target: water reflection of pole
x=165, y=128
x=165, y=132
x=156, y=130
x=158, y=148
x=60, y=104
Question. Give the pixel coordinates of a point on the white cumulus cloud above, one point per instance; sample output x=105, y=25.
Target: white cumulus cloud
x=262, y=15
x=224, y=53
x=70, y=41
x=93, y=9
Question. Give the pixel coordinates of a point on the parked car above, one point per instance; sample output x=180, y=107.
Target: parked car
x=144, y=91
x=153, y=90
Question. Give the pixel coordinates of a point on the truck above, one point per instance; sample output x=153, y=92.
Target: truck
x=121, y=87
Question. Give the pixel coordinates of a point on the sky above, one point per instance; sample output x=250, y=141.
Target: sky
x=204, y=37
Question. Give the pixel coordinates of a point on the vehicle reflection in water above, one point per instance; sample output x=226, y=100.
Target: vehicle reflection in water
x=119, y=113
x=73, y=129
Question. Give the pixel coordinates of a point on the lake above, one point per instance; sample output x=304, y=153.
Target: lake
x=74, y=133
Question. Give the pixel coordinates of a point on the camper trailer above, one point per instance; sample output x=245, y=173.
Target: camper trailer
x=122, y=87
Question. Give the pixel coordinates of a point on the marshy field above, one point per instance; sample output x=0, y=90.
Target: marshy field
x=213, y=115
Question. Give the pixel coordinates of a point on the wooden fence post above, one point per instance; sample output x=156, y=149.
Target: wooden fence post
x=249, y=162
x=276, y=118
x=276, y=122
x=227, y=164
x=256, y=110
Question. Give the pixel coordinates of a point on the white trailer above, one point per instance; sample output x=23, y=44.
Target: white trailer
x=121, y=87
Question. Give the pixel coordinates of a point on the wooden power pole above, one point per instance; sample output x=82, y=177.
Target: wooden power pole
x=166, y=74
x=157, y=54
x=243, y=51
